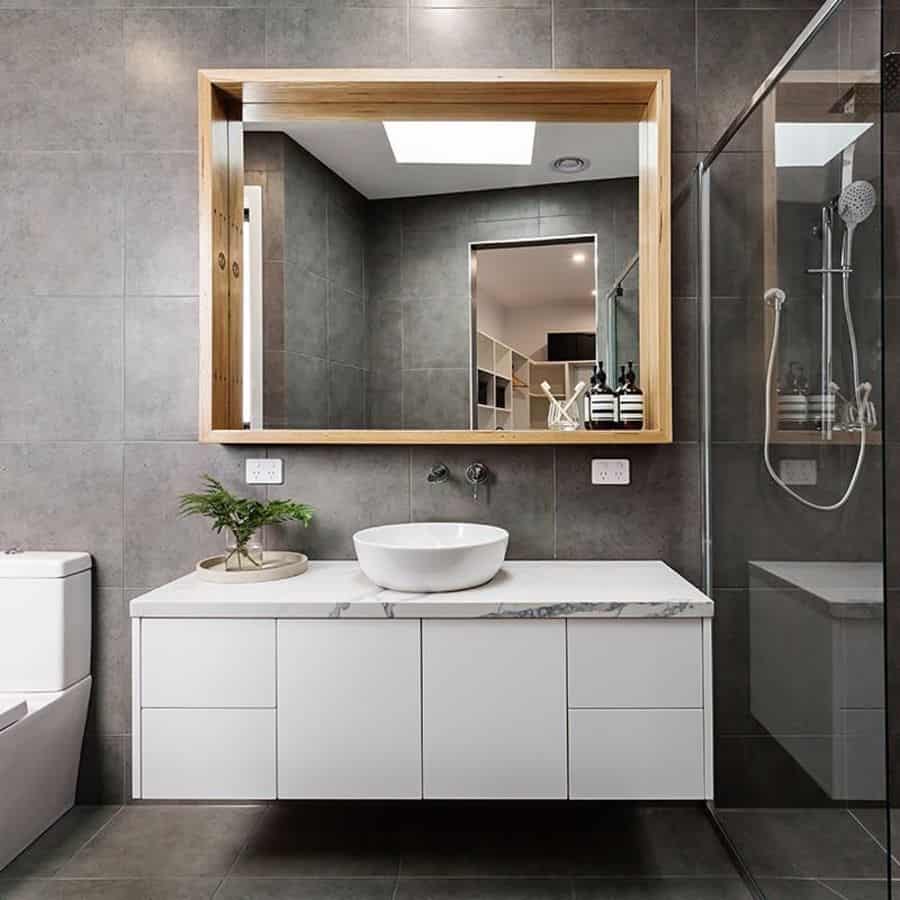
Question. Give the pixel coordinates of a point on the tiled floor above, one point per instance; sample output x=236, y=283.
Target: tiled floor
x=441, y=852
x=376, y=852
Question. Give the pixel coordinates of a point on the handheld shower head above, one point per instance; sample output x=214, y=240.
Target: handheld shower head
x=775, y=297
x=856, y=203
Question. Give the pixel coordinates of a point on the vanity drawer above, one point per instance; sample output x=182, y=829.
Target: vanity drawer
x=208, y=754
x=635, y=663
x=208, y=662
x=636, y=754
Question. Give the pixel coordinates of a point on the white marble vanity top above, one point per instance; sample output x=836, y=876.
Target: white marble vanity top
x=520, y=590
x=843, y=590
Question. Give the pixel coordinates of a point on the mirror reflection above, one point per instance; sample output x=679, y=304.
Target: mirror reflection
x=440, y=275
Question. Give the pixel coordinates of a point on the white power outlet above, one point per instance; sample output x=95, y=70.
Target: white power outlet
x=610, y=471
x=264, y=471
x=798, y=471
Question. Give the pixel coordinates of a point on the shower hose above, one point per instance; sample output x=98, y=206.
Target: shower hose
x=861, y=391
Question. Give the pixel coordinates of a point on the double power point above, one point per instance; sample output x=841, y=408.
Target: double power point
x=264, y=471
x=610, y=471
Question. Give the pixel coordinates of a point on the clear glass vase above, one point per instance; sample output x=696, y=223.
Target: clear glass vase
x=239, y=558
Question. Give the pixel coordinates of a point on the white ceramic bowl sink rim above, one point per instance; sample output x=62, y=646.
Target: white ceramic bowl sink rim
x=430, y=557
x=379, y=535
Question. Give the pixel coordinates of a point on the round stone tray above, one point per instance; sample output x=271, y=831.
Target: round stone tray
x=276, y=564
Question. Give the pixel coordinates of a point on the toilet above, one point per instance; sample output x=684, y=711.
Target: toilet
x=45, y=684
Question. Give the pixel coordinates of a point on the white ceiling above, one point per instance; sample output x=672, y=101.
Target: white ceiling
x=531, y=275
x=359, y=152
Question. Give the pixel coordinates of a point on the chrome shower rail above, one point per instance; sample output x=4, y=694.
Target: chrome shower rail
x=801, y=42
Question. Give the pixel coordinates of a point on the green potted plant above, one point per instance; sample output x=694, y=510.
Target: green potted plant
x=241, y=518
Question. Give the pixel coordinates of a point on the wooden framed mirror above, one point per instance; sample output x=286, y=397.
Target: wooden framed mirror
x=433, y=256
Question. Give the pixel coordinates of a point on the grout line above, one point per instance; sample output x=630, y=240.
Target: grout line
x=869, y=833
x=81, y=847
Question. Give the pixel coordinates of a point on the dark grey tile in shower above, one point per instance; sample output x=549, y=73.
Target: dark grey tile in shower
x=686, y=369
x=518, y=497
x=483, y=889
x=480, y=37
x=661, y=889
x=157, y=888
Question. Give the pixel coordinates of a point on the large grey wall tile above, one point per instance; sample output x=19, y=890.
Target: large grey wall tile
x=62, y=79
x=480, y=37
x=347, y=332
x=346, y=250
x=752, y=518
x=519, y=497
x=161, y=223
x=686, y=369
x=385, y=325
x=161, y=387
x=636, y=37
x=435, y=262
x=644, y=520
x=163, y=50
x=101, y=776
x=336, y=35
x=68, y=386
x=305, y=211
x=384, y=399
x=346, y=396
x=64, y=497
x=61, y=232
x=159, y=545
x=110, y=707
x=436, y=333
x=350, y=487
x=305, y=391
x=437, y=398
x=305, y=311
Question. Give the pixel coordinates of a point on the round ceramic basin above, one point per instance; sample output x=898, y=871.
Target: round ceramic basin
x=424, y=557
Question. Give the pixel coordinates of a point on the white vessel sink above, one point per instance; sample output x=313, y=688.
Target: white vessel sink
x=424, y=557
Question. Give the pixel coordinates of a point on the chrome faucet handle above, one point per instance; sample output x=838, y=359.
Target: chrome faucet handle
x=438, y=474
x=476, y=474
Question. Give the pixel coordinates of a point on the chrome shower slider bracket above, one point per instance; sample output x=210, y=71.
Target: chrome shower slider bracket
x=839, y=270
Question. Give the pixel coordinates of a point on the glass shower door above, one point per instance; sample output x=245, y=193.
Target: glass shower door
x=792, y=269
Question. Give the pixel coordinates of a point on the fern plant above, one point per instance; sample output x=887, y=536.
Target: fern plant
x=242, y=517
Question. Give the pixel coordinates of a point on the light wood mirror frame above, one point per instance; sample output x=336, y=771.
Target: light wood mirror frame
x=229, y=97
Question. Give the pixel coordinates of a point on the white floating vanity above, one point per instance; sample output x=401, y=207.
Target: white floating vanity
x=581, y=680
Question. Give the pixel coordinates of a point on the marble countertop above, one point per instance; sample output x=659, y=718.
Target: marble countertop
x=519, y=590
x=843, y=590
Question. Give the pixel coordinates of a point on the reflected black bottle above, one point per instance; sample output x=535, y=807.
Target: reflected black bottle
x=631, y=401
x=603, y=402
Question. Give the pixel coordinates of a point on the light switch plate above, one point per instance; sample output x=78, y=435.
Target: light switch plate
x=798, y=471
x=264, y=471
x=610, y=471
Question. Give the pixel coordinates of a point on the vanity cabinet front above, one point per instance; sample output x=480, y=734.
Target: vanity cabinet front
x=349, y=709
x=410, y=708
x=494, y=702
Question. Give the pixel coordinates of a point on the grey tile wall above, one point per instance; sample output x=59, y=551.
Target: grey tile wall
x=97, y=178
x=314, y=293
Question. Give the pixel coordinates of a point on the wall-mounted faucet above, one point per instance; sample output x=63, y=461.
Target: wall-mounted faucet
x=477, y=474
x=438, y=474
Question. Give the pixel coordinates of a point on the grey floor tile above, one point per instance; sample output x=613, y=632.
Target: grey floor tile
x=59, y=843
x=483, y=889
x=306, y=889
x=660, y=889
x=319, y=841
x=874, y=889
x=795, y=889
x=820, y=843
x=112, y=889
x=27, y=888
x=188, y=841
